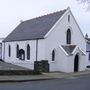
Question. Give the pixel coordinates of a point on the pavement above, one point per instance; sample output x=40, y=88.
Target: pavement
x=9, y=66
x=44, y=76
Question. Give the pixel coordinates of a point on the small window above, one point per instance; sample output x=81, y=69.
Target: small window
x=53, y=55
x=17, y=51
x=89, y=57
x=21, y=54
x=28, y=52
x=9, y=51
x=68, y=18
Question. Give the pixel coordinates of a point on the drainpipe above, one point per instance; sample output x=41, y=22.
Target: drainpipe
x=3, y=51
x=37, y=50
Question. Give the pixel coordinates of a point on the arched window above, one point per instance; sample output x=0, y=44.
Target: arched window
x=9, y=51
x=17, y=51
x=21, y=54
x=28, y=52
x=53, y=55
x=68, y=37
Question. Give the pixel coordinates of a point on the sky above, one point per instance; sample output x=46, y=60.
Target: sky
x=12, y=12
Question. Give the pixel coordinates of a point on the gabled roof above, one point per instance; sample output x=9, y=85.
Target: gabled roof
x=35, y=28
x=87, y=44
x=88, y=39
x=88, y=47
x=69, y=48
x=1, y=39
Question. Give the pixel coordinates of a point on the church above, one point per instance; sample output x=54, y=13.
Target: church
x=55, y=37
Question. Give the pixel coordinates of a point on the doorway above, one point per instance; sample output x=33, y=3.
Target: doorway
x=76, y=63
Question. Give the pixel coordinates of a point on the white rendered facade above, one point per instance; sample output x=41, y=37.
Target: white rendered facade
x=53, y=40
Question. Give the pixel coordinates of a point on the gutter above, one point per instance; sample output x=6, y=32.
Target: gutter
x=37, y=50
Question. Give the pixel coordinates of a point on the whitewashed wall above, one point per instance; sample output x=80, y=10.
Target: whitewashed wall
x=82, y=60
x=22, y=45
x=41, y=50
x=65, y=63
x=60, y=61
x=58, y=35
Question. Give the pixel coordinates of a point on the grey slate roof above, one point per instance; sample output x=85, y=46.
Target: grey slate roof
x=69, y=49
x=88, y=39
x=35, y=28
x=88, y=46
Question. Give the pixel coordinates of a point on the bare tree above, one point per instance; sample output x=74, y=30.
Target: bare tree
x=86, y=2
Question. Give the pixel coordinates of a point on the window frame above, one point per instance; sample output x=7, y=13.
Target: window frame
x=9, y=50
x=68, y=36
x=28, y=52
x=53, y=55
x=17, y=51
x=68, y=18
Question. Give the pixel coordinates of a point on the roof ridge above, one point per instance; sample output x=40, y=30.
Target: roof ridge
x=37, y=17
x=35, y=28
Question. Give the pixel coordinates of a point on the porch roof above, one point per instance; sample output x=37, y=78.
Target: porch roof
x=68, y=48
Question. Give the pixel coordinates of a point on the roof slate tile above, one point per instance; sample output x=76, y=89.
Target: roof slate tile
x=35, y=28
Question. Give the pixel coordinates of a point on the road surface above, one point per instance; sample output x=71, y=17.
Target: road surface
x=71, y=83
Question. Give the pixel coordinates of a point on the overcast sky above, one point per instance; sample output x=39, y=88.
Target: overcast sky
x=13, y=11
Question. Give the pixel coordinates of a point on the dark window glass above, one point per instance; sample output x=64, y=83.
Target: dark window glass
x=53, y=55
x=68, y=37
x=21, y=54
x=28, y=52
x=9, y=51
x=17, y=51
x=89, y=57
x=68, y=18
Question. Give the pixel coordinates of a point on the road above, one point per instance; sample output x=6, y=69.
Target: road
x=71, y=83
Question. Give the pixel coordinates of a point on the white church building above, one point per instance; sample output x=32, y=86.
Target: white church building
x=55, y=37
